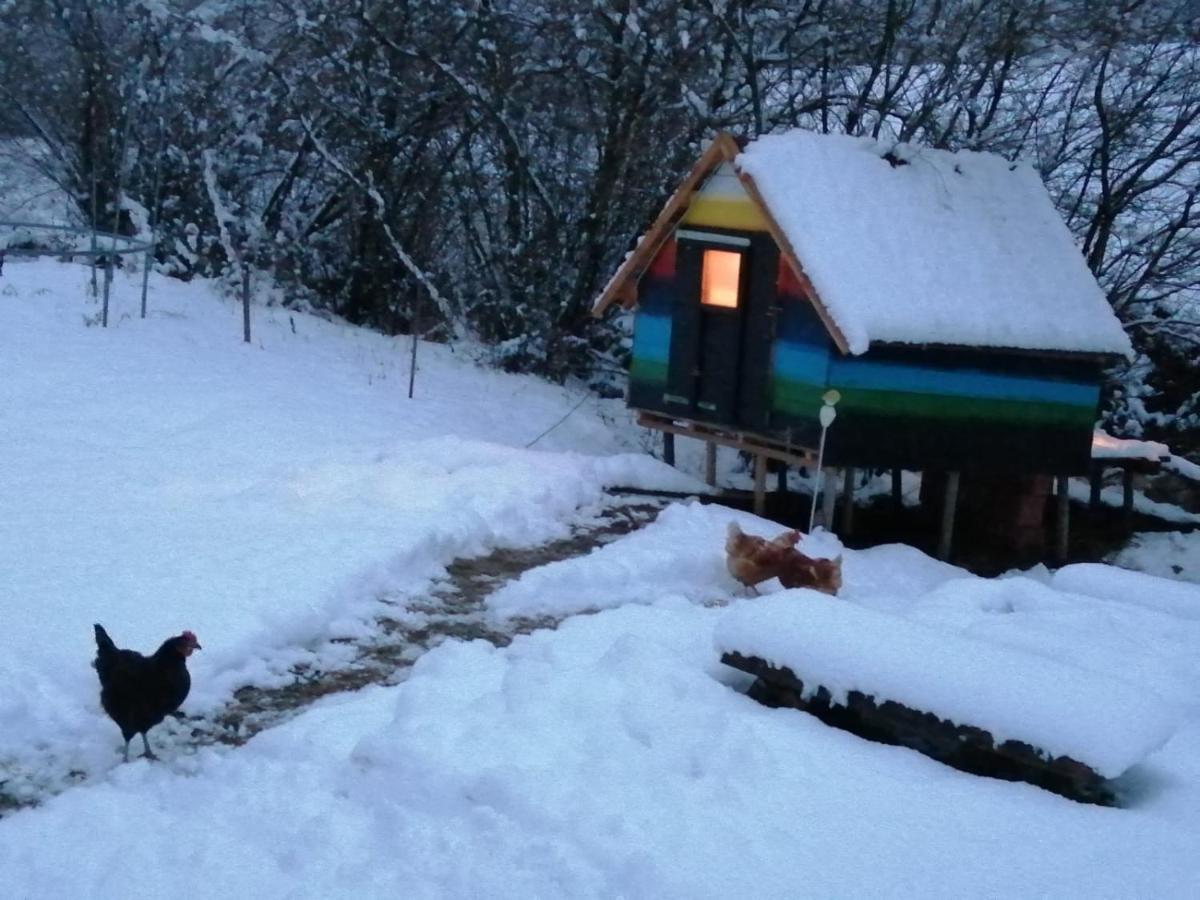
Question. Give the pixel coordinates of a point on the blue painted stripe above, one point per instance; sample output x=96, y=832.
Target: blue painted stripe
x=652, y=337
x=656, y=296
x=851, y=373
x=801, y=362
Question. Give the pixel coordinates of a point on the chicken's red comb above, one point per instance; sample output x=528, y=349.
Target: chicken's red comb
x=189, y=636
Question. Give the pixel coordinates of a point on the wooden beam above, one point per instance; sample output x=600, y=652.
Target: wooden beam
x=1062, y=522
x=748, y=443
x=848, y=501
x=668, y=448
x=897, y=489
x=710, y=463
x=949, y=507
x=828, y=498
x=760, y=485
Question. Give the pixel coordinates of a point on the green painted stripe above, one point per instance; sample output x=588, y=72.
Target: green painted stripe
x=797, y=399
x=958, y=382
x=936, y=406
x=648, y=371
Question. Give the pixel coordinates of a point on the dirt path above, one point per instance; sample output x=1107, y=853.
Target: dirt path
x=454, y=609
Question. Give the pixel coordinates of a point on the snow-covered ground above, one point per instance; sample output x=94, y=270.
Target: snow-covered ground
x=1172, y=554
x=161, y=475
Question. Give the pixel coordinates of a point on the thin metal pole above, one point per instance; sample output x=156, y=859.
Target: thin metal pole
x=108, y=277
x=245, y=302
x=94, y=223
x=820, y=481
x=416, y=328
x=155, y=213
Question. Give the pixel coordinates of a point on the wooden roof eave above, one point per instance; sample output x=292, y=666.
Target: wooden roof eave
x=724, y=148
x=622, y=286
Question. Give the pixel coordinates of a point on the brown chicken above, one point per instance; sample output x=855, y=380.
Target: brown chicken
x=823, y=575
x=752, y=560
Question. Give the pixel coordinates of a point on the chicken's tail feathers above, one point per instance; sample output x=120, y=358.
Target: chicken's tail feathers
x=103, y=642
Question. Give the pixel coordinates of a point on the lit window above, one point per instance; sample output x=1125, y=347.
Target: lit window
x=719, y=278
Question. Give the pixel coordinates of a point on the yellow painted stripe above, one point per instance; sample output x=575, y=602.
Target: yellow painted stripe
x=739, y=213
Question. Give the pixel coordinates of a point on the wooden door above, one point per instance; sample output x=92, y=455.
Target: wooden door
x=713, y=273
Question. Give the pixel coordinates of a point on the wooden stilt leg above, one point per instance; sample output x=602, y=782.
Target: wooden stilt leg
x=760, y=485
x=949, y=506
x=848, y=501
x=1097, y=482
x=828, y=497
x=1127, y=496
x=781, y=485
x=668, y=448
x=1062, y=520
x=897, y=490
x=710, y=464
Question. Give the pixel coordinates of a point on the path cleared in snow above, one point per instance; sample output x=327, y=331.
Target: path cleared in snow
x=454, y=609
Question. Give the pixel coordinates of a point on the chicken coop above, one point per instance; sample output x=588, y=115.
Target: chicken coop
x=939, y=293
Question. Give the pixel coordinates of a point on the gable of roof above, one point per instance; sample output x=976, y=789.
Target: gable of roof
x=902, y=244
x=723, y=151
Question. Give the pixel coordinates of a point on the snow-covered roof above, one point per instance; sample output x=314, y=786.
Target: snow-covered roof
x=931, y=247
x=1105, y=446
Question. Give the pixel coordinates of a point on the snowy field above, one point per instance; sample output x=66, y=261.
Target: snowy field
x=161, y=475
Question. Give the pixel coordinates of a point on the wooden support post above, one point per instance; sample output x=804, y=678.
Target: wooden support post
x=760, y=485
x=1127, y=496
x=781, y=485
x=1097, y=482
x=710, y=464
x=848, y=501
x=897, y=490
x=828, y=497
x=668, y=448
x=1062, y=521
x=949, y=506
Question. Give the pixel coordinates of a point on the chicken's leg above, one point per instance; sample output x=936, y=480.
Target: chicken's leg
x=127, y=750
x=149, y=754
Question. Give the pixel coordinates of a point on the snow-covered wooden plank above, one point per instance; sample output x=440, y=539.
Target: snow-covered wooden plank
x=1097, y=719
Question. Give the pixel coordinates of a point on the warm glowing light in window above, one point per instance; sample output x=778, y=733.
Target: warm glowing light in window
x=719, y=278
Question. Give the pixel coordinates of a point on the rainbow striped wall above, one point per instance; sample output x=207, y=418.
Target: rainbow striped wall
x=800, y=359
x=652, y=332
x=923, y=407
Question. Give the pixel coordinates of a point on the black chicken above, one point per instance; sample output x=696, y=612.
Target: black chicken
x=140, y=691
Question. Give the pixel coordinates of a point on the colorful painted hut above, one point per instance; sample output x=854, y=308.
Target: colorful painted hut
x=939, y=293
